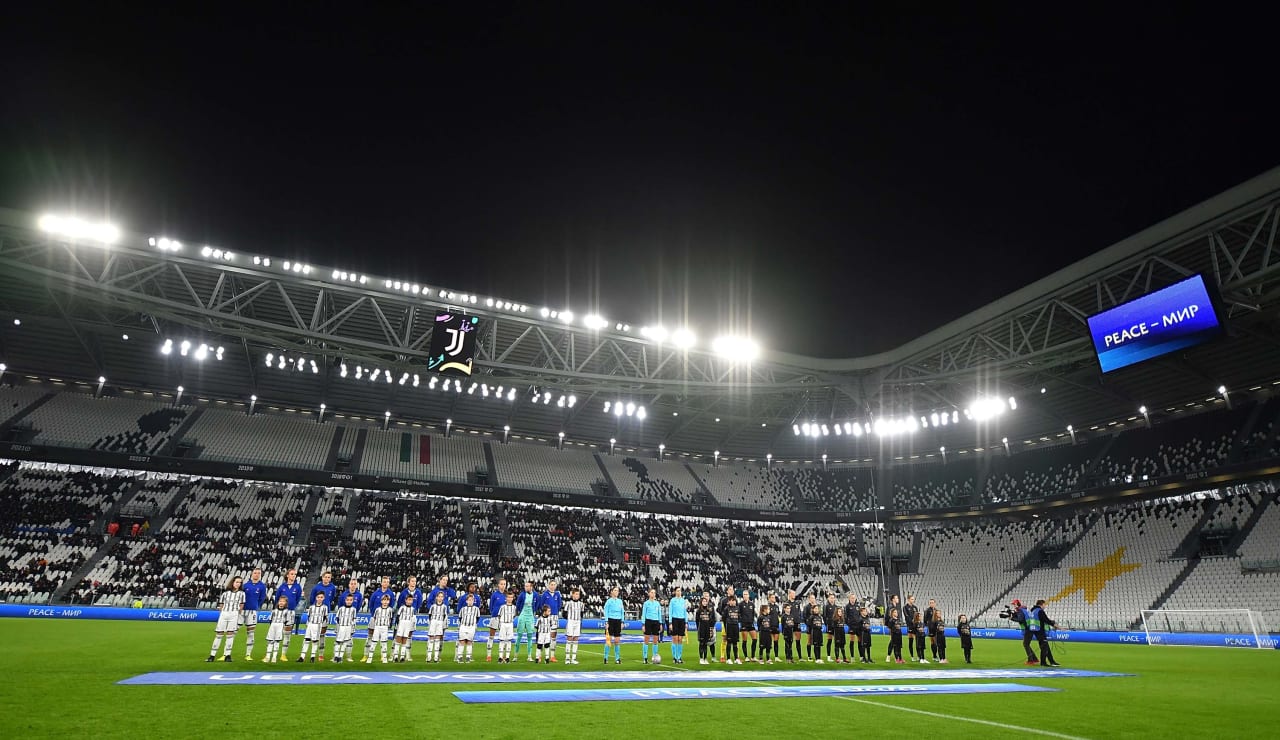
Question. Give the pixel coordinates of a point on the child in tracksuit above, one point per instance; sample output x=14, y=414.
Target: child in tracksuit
x=816, y=623
x=838, y=637
x=789, y=624
x=938, y=629
x=966, y=637
x=864, y=636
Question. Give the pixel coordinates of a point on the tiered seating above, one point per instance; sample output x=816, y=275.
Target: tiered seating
x=837, y=489
x=1187, y=444
x=651, y=479
x=1040, y=472
x=403, y=538
x=1144, y=536
x=45, y=519
x=112, y=424
x=224, y=529
x=933, y=486
x=564, y=544
x=453, y=459
x=332, y=509
x=262, y=439
x=689, y=553
x=966, y=568
x=1250, y=581
x=13, y=399
x=747, y=486
x=543, y=468
x=807, y=557
x=34, y=563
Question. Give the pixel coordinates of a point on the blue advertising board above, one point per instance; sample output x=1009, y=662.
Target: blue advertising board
x=1173, y=318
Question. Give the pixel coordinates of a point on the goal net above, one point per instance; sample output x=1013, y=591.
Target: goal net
x=1206, y=627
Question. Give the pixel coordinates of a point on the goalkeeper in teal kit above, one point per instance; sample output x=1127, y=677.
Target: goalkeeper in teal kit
x=525, y=618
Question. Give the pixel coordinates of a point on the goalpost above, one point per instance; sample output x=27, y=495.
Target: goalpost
x=1176, y=627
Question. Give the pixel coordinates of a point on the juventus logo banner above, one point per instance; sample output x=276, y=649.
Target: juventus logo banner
x=453, y=344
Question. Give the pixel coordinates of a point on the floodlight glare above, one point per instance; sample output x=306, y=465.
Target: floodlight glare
x=591, y=321
x=736, y=349
x=76, y=228
x=641, y=413
x=683, y=338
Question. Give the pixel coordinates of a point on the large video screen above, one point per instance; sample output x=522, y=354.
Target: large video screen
x=1167, y=320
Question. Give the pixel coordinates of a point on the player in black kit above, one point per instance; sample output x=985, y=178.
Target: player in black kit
x=838, y=637
x=966, y=637
x=747, y=624
x=938, y=632
x=815, y=634
x=909, y=614
x=829, y=620
x=705, y=617
x=894, y=625
x=893, y=604
x=929, y=619
x=732, y=628
x=767, y=625
x=864, y=636
x=788, y=624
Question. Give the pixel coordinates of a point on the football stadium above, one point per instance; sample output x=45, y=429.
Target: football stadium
x=637, y=372
x=1021, y=527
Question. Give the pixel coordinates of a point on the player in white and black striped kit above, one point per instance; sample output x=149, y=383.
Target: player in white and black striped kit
x=468, y=618
x=230, y=603
x=317, y=625
x=437, y=618
x=406, y=623
x=282, y=618
x=345, y=619
x=379, y=626
x=506, y=627
x=544, y=628
x=572, y=626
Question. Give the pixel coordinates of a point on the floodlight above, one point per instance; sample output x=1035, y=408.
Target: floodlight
x=683, y=338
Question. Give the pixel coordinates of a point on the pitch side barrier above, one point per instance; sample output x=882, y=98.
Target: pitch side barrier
x=1200, y=639
x=408, y=488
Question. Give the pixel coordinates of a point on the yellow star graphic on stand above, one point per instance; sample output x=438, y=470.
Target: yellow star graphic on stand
x=1091, y=579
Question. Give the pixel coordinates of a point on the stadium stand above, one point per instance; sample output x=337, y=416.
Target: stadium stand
x=47, y=519
x=933, y=485
x=1183, y=445
x=397, y=453
x=1040, y=472
x=836, y=489
x=565, y=544
x=545, y=468
x=749, y=486
x=112, y=424
x=261, y=439
x=966, y=568
x=651, y=479
x=1250, y=580
x=1123, y=562
x=14, y=399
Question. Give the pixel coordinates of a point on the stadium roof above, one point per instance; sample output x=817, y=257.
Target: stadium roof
x=68, y=304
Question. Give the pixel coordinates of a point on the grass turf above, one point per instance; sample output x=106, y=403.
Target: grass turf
x=59, y=679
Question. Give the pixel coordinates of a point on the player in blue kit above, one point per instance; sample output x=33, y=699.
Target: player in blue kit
x=651, y=612
x=291, y=590
x=552, y=599
x=375, y=601
x=327, y=587
x=613, y=615
x=497, y=598
x=442, y=587
x=255, y=597
x=678, y=615
x=411, y=594
x=353, y=590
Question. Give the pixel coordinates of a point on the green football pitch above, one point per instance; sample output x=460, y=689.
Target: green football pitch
x=60, y=680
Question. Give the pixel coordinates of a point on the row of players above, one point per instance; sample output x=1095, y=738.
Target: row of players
x=756, y=634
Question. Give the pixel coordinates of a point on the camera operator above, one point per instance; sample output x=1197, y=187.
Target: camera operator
x=1034, y=621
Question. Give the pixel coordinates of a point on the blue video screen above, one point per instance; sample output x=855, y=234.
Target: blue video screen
x=1167, y=320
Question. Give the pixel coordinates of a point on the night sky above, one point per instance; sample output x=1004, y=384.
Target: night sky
x=831, y=181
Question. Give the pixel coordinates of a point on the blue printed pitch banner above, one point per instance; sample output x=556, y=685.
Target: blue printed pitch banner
x=738, y=692
x=1197, y=639
x=1156, y=324
x=205, y=678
